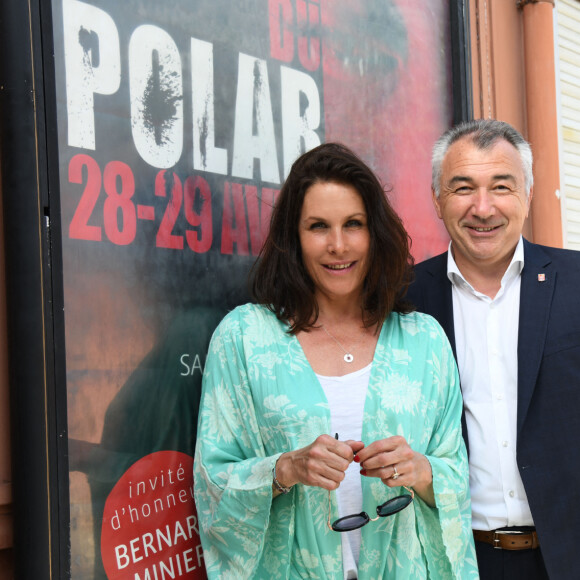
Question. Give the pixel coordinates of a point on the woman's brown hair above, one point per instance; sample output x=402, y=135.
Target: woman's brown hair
x=279, y=279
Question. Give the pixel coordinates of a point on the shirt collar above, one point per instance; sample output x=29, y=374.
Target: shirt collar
x=514, y=269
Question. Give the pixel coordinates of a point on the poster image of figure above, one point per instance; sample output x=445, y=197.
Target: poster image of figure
x=177, y=123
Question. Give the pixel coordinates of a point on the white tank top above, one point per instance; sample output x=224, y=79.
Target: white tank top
x=346, y=397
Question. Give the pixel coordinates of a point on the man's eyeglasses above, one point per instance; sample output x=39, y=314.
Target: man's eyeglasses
x=355, y=521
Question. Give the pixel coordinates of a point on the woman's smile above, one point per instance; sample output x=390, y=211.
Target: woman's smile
x=338, y=267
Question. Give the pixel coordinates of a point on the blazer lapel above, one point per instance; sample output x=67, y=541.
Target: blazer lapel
x=537, y=287
x=439, y=300
x=440, y=305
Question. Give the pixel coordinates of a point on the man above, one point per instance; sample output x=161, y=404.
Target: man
x=511, y=310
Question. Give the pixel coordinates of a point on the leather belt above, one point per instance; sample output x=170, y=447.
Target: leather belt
x=508, y=539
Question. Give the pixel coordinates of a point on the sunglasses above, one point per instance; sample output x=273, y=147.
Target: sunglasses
x=356, y=521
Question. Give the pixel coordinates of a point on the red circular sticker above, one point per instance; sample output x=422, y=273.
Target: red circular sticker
x=150, y=523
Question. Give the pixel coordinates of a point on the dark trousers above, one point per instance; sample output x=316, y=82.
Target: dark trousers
x=509, y=564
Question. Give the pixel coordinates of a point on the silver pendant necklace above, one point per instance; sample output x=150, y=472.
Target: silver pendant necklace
x=348, y=356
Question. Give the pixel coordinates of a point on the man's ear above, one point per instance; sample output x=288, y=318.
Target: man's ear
x=435, y=200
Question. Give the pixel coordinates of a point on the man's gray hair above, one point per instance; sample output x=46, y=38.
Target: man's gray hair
x=484, y=133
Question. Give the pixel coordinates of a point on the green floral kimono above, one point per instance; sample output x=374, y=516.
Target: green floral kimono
x=261, y=398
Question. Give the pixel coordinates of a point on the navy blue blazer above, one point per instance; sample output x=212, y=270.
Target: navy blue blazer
x=548, y=414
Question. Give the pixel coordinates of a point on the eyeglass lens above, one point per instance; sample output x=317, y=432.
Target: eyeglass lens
x=394, y=505
x=348, y=523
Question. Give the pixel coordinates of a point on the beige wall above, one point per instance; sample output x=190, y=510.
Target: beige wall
x=568, y=42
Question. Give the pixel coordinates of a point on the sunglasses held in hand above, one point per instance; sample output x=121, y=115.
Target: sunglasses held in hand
x=355, y=521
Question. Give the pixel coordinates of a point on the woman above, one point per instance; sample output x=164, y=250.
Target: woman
x=331, y=348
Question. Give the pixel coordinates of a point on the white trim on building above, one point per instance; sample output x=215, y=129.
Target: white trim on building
x=568, y=66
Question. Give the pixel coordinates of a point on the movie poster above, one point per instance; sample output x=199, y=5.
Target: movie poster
x=177, y=122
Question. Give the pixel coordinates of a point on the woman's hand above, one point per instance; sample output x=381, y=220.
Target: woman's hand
x=393, y=457
x=321, y=464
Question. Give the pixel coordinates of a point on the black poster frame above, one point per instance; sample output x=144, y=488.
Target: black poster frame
x=29, y=171
x=30, y=198
x=460, y=61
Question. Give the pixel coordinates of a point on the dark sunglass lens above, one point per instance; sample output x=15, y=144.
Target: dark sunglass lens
x=348, y=523
x=394, y=505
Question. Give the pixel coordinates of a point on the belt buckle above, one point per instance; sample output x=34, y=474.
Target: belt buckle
x=496, y=533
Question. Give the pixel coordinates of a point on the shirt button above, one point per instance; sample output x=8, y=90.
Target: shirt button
x=499, y=397
x=512, y=493
x=505, y=443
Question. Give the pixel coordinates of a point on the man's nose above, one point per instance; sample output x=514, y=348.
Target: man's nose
x=483, y=203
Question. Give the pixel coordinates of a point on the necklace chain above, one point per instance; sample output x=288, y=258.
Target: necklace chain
x=348, y=356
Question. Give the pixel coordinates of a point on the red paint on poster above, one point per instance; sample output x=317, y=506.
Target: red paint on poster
x=150, y=528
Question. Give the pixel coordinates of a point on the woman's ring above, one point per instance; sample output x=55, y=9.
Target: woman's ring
x=395, y=474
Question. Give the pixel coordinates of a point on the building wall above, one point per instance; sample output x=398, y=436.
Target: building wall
x=497, y=61
x=497, y=65
x=568, y=60
x=514, y=80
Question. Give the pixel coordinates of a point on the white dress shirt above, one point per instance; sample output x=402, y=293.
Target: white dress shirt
x=486, y=337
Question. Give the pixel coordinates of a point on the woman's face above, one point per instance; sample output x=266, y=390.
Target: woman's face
x=335, y=240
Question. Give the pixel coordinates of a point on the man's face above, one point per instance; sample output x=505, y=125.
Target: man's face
x=483, y=204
